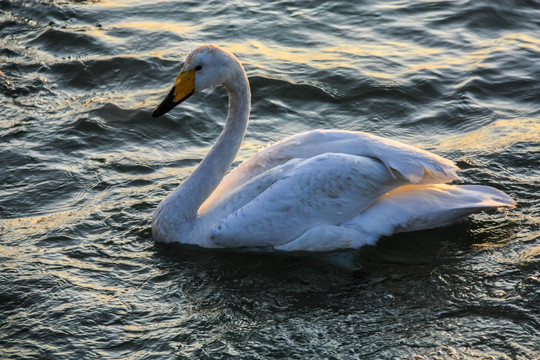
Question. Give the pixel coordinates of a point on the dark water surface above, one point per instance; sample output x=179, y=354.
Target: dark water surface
x=84, y=165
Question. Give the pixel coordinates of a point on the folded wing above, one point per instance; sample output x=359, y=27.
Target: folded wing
x=413, y=164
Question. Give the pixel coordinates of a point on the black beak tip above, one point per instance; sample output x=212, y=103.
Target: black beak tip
x=156, y=113
x=162, y=109
x=166, y=105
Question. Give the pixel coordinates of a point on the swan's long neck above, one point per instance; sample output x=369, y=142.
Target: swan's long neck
x=207, y=176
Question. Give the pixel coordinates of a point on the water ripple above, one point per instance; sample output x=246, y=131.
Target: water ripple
x=85, y=165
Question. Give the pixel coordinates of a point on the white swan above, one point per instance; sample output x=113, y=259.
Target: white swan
x=320, y=190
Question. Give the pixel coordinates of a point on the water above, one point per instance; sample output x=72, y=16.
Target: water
x=84, y=165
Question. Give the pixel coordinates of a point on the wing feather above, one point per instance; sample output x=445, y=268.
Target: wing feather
x=325, y=189
x=413, y=164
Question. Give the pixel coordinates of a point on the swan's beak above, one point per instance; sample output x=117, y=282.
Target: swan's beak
x=183, y=88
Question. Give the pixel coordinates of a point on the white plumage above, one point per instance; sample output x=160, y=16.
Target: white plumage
x=316, y=191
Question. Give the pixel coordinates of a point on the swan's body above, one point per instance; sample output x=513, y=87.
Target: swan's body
x=319, y=190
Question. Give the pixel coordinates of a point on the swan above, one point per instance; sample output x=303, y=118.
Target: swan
x=316, y=191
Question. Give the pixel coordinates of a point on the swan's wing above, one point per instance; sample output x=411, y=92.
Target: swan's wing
x=407, y=208
x=413, y=164
x=420, y=207
x=253, y=187
x=325, y=189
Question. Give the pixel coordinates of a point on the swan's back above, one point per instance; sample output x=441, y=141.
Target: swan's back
x=413, y=164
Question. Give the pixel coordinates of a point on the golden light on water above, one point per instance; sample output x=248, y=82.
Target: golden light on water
x=329, y=57
x=177, y=28
x=496, y=136
x=25, y=226
x=410, y=56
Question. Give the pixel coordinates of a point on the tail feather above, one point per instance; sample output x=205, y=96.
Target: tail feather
x=420, y=207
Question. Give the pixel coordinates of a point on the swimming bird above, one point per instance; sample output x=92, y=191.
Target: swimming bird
x=316, y=191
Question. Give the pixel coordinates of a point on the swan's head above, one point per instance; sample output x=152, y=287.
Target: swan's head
x=205, y=67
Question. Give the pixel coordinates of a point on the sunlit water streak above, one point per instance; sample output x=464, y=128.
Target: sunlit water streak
x=84, y=166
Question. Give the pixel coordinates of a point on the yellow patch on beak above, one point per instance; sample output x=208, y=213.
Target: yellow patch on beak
x=184, y=85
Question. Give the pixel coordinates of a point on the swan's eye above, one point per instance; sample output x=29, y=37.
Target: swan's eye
x=197, y=68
